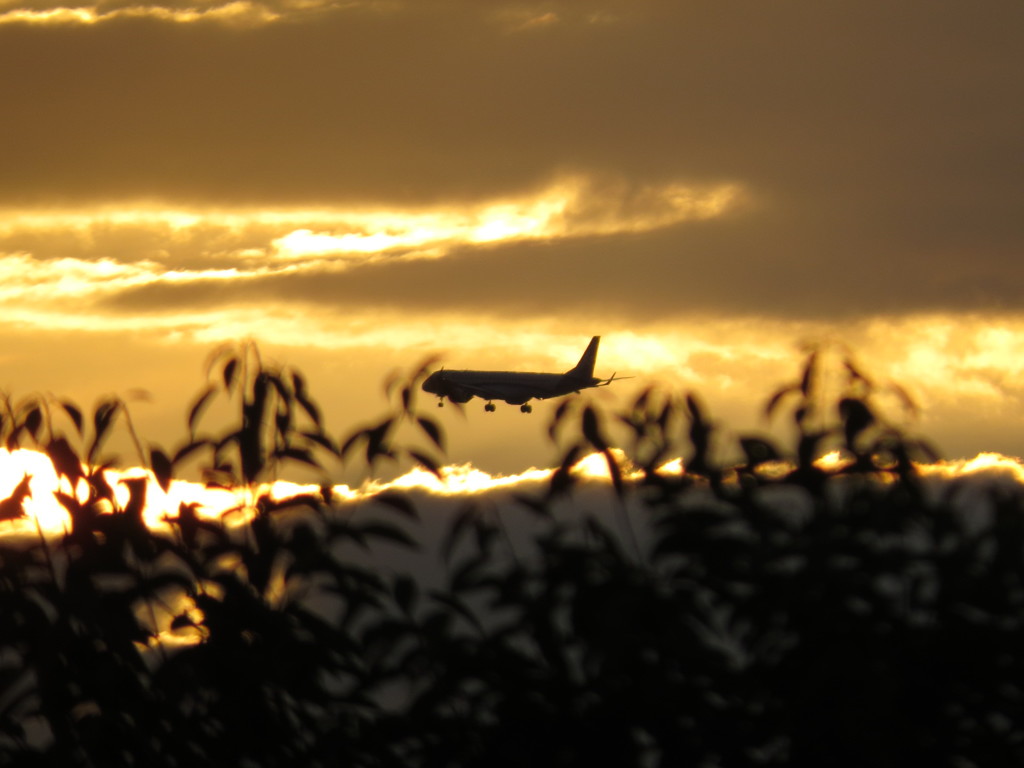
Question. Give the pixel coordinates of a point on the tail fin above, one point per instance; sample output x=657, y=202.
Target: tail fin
x=585, y=367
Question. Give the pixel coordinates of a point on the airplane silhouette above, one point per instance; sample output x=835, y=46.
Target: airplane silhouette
x=516, y=388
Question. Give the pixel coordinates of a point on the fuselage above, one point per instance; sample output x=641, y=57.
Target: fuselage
x=513, y=387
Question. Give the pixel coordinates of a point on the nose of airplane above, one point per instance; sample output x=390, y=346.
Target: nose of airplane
x=432, y=383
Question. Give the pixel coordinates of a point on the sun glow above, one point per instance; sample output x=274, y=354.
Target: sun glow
x=40, y=509
x=458, y=480
x=990, y=464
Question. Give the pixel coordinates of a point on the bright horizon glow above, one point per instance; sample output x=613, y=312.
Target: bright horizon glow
x=988, y=463
x=234, y=506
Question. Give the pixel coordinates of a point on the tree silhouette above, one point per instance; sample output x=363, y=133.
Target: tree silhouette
x=764, y=609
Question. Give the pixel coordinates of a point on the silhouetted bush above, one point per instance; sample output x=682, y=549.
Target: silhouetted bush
x=769, y=610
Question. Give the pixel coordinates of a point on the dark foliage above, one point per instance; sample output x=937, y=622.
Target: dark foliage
x=769, y=611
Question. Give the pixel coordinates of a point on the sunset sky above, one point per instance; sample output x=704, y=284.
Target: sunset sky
x=358, y=185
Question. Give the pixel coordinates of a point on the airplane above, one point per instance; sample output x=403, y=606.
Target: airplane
x=516, y=388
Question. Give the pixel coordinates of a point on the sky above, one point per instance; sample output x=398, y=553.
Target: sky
x=357, y=186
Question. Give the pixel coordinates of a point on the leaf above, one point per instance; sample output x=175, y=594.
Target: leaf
x=283, y=421
x=70, y=503
x=198, y=407
x=383, y=636
x=758, y=451
x=398, y=502
x=406, y=593
x=284, y=392
x=700, y=438
x=640, y=403
x=807, y=380
x=855, y=373
x=614, y=472
x=923, y=452
x=393, y=380
x=799, y=415
x=562, y=479
x=604, y=536
x=102, y=419
x=344, y=531
x=350, y=443
x=65, y=460
x=389, y=532
x=454, y=603
x=100, y=487
x=428, y=462
x=696, y=410
x=136, y=497
x=250, y=439
x=33, y=421
x=162, y=466
x=561, y=483
x=228, y=375
x=432, y=430
x=592, y=430
x=460, y=525
x=537, y=507
x=375, y=441
x=188, y=449
x=558, y=417
x=12, y=507
x=320, y=439
x=470, y=574
x=909, y=403
x=303, y=500
x=776, y=398
x=311, y=409
x=856, y=416
x=300, y=455
x=807, y=449
x=74, y=413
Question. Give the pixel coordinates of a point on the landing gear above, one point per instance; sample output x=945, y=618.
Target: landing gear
x=440, y=403
x=526, y=408
x=490, y=407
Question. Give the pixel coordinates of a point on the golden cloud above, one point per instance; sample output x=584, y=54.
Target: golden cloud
x=49, y=256
x=236, y=13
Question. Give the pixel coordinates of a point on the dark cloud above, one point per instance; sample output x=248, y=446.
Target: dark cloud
x=881, y=146
x=435, y=101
